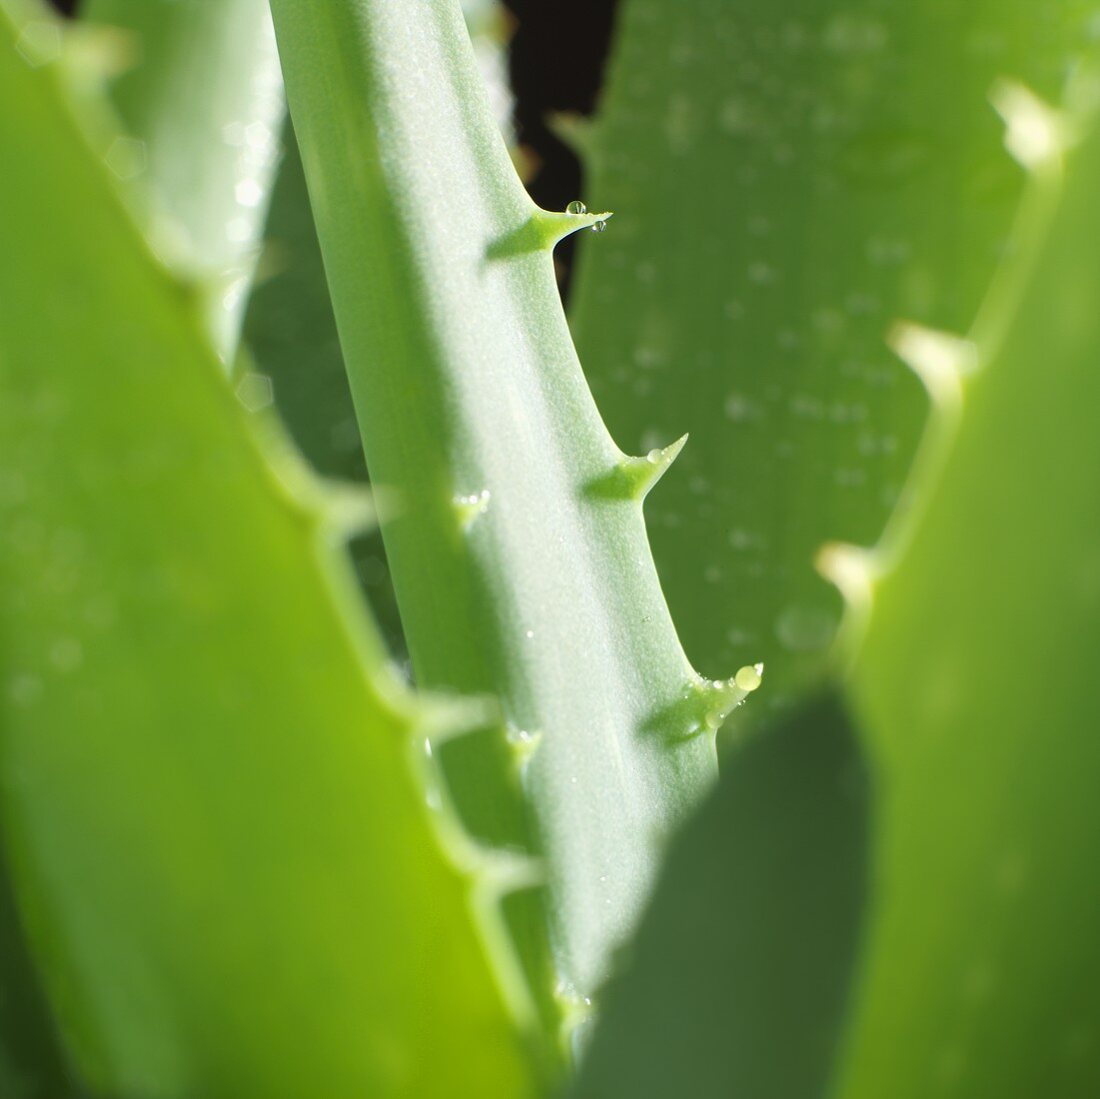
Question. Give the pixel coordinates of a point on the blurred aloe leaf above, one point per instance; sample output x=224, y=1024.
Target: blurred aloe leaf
x=202, y=98
x=290, y=334
x=976, y=685
x=789, y=179
x=972, y=695
x=214, y=826
x=32, y=1064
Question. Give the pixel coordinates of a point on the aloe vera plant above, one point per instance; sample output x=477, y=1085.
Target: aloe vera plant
x=243, y=857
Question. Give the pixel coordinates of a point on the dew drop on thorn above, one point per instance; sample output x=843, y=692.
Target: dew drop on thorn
x=599, y=226
x=748, y=679
x=576, y=207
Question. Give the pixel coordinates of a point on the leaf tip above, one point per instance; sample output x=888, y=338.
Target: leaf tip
x=555, y=226
x=705, y=704
x=523, y=745
x=632, y=478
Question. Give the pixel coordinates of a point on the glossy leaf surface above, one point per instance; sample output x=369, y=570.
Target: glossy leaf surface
x=790, y=179
x=214, y=792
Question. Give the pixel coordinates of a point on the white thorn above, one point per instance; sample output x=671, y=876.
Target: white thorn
x=347, y=508
x=939, y=359
x=441, y=718
x=497, y=873
x=523, y=745
x=851, y=569
x=1035, y=133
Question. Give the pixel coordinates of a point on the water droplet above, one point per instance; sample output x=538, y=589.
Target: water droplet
x=654, y=455
x=238, y=230
x=576, y=207
x=736, y=117
x=67, y=654
x=740, y=408
x=259, y=136
x=126, y=157
x=804, y=629
x=749, y=677
x=885, y=251
x=853, y=34
x=648, y=357
x=472, y=506
x=255, y=391
x=828, y=321
x=761, y=273
x=248, y=192
x=599, y=226
x=24, y=689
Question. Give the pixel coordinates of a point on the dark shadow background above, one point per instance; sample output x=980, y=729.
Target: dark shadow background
x=555, y=66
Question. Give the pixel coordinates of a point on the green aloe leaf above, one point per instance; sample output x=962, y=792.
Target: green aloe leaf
x=512, y=521
x=214, y=793
x=976, y=685
x=202, y=98
x=789, y=179
x=290, y=335
x=32, y=1063
x=291, y=332
x=966, y=673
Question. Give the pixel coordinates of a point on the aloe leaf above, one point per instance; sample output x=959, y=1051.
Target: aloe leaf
x=976, y=687
x=290, y=334
x=203, y=102
x=789, y=179
x=976, y=972
x=214, y=792
x=514, y=528
x=32, y=1064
